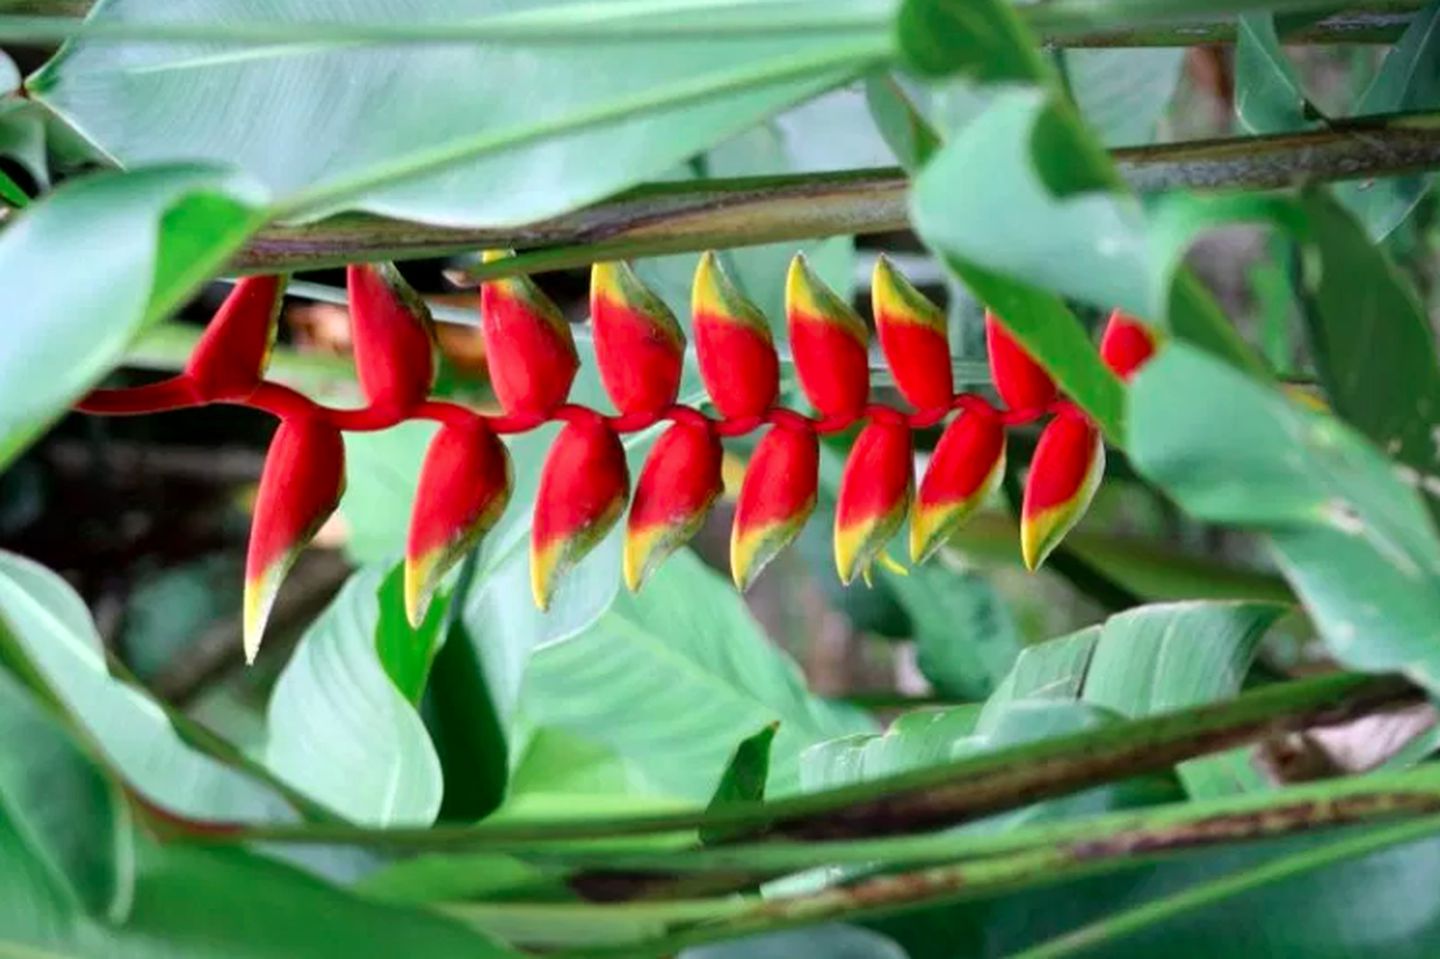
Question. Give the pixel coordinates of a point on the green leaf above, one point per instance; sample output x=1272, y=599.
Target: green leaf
x=338, y=727
x=406, y=652
x=455, y=133
x=137, y=244
x=911, y=137
x=1353, y=539
x=983, y=41
x=1122, y=94
x=9, y=75
x=833, y=941
x=46, y=635
x=1408, y=80
x=743, y=780
x=1268, y=97
x=917, y=738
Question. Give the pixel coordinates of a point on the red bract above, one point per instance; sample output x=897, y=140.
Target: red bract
x=733, y=344
x=230, y=359
x=829, y=342
x=393, y=339
x=1021, y=382
x=776, y=498
x=528, y=345
x=300, y=486
x=912, y=334
x=966, y=467
x=1126, y=344
x=464, y=487
x=639, y=346
x=583, y=486
x=1066, y=471
x=875, y=492
x=678, y=484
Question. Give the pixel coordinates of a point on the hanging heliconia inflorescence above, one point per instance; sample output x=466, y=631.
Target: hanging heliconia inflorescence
x=584, y=486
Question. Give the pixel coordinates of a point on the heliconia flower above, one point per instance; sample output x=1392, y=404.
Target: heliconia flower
x=528, y=345
x=583, y=486
x=230, y=359
x=678, y=484
x=1069, y=462
x=875, y=492
x=733, y=343
x=966, y=467
x=1126, y=344
x=393, y=336
x=1021, y=382
x=777, y=496
x=465, y=484
x=912, y=334
x=829, y=342
x=300, y=486
x=638, y=344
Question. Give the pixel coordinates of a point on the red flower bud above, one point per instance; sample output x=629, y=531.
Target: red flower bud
x=528, y=345
x=733, y=343
x=966, y=467
x=1126, y=344
x=639, y=346
x=1069, y=462
x=230, y=359
x=300, y=486
x=678, y=484
x=583, y=486
x=1022, y=383
x=875, y=492
x=776, y=498
x=829, y=342
x=393, y=336
x=464, y=487
x=912, y=334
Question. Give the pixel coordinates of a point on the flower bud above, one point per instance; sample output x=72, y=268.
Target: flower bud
x=1126, y=344
x=678, y=484
x=638, y=343
x=912, y=334
x=776, y=498
x=875, y=492
x=733, y=344
x=393, y=337
x=583, y=486
x=1021, y=382
x=300, y=486
x=1069, y=462
x=966, y=467
x=230, y=359
x=528, y=345
x=465, y=484
x=829, y=343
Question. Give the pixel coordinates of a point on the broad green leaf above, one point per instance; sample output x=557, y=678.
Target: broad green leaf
x=46, y=632
x=383, y=473
x=1351, y=536
x=340, y=730
x=743, y=780
x=1123, y=93
x=441, y=877
x=911, y=137
x=9, y=75
x=673, y=677
x=489, y=131
x=1408, y=80
x=136, y=245
x=406, y=652
x=23, y=137
x=918, y=738
x=830, y=941
x=982, y=41
x=11, y=193
x=1268, y=97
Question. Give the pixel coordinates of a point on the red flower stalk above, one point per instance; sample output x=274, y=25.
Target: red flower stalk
x=394, y=338
x=912, y=334
x=875, y=492
x=465, y=484
x=300, y=486
x=678, y=484
x=1069, y=462
x=230, y=359
x=776, y=498
x=583, y=486
x=1021, y=382
x=966, y=467
x=1126, y=344
x=829, y=342
x=638, y=343
x=528, y=345
x=733, y=343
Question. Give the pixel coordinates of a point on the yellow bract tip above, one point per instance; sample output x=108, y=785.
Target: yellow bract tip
x=419, y=586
